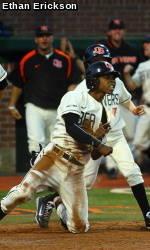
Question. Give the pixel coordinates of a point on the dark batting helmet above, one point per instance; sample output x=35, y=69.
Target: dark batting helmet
x=97, y=69
x=95, y=52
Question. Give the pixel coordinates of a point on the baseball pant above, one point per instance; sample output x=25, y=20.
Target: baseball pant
x=142, y=133
x=40, y=123
x=122, y=156
x=61, y=175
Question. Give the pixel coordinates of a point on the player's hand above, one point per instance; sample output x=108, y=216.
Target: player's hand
x=128, y=69
x=139, y=110
x=102, y=150
x=87, y=127
x=102, y=130
x=14, y=113
x=105, y=150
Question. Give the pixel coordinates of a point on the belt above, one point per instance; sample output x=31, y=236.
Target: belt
x=69, y=157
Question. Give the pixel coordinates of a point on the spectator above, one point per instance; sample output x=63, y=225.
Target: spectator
x=141, y=77
x=122, y=53
x=44, y=75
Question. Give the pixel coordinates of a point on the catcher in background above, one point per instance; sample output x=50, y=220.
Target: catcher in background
x=60, y=165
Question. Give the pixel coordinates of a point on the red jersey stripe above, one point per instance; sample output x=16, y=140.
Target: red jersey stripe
x=23, y=61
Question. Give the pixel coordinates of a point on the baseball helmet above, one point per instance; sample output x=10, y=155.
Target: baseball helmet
x=96, y=50
x=97, y=69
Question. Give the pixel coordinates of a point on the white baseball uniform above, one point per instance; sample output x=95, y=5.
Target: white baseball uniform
x=142, y=78
x=63, y=175
x=115, y=138
x=3, y=73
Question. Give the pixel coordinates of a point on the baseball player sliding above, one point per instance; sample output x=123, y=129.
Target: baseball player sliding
x=121, y=152
x=60, y=164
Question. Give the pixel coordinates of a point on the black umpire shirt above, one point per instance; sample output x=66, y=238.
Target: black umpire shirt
x=45, y=80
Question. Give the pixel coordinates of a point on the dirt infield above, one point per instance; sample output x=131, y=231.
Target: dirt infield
x=102, y=236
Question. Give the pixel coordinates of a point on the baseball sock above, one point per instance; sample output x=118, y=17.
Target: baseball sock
x=140, y=195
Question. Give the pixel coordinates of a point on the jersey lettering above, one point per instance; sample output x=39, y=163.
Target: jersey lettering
x=114, y=110
x=124, y=59
x=112, y=99
x=87, y=116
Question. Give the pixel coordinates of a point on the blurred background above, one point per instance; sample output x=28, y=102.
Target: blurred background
x=81, y=28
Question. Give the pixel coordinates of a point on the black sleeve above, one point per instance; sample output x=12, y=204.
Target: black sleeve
x=76, y=132
x=15, y=79
x=3, y=84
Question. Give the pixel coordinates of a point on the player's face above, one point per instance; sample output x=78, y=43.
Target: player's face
x=146, y=47
x=107, y=84
x=116, y=34
x=44, y=42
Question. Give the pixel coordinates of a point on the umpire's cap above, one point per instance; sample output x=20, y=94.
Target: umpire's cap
x=96, y=51
x=97, y=69
x=43, y=30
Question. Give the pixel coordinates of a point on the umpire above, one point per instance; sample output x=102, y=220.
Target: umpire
x=43, y=76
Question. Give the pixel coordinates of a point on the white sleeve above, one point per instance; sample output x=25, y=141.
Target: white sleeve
x=136, y=77
x=71, y=103
x=3, y=73
x=125, y=95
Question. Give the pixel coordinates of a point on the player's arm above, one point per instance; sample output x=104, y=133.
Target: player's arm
x=76, y=132
x=15, y=94
x=130, y=82
x=125, y=100
x=136, y=110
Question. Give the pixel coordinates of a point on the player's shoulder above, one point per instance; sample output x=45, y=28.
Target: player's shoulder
x=81, y=86
x=62, y=54
x=28, y=56
x=119, y=82
x=73, y=94
x=143, y=64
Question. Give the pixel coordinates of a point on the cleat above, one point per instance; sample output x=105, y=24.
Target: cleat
x=63, y=224
x=147, y=220
x=44, y=210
